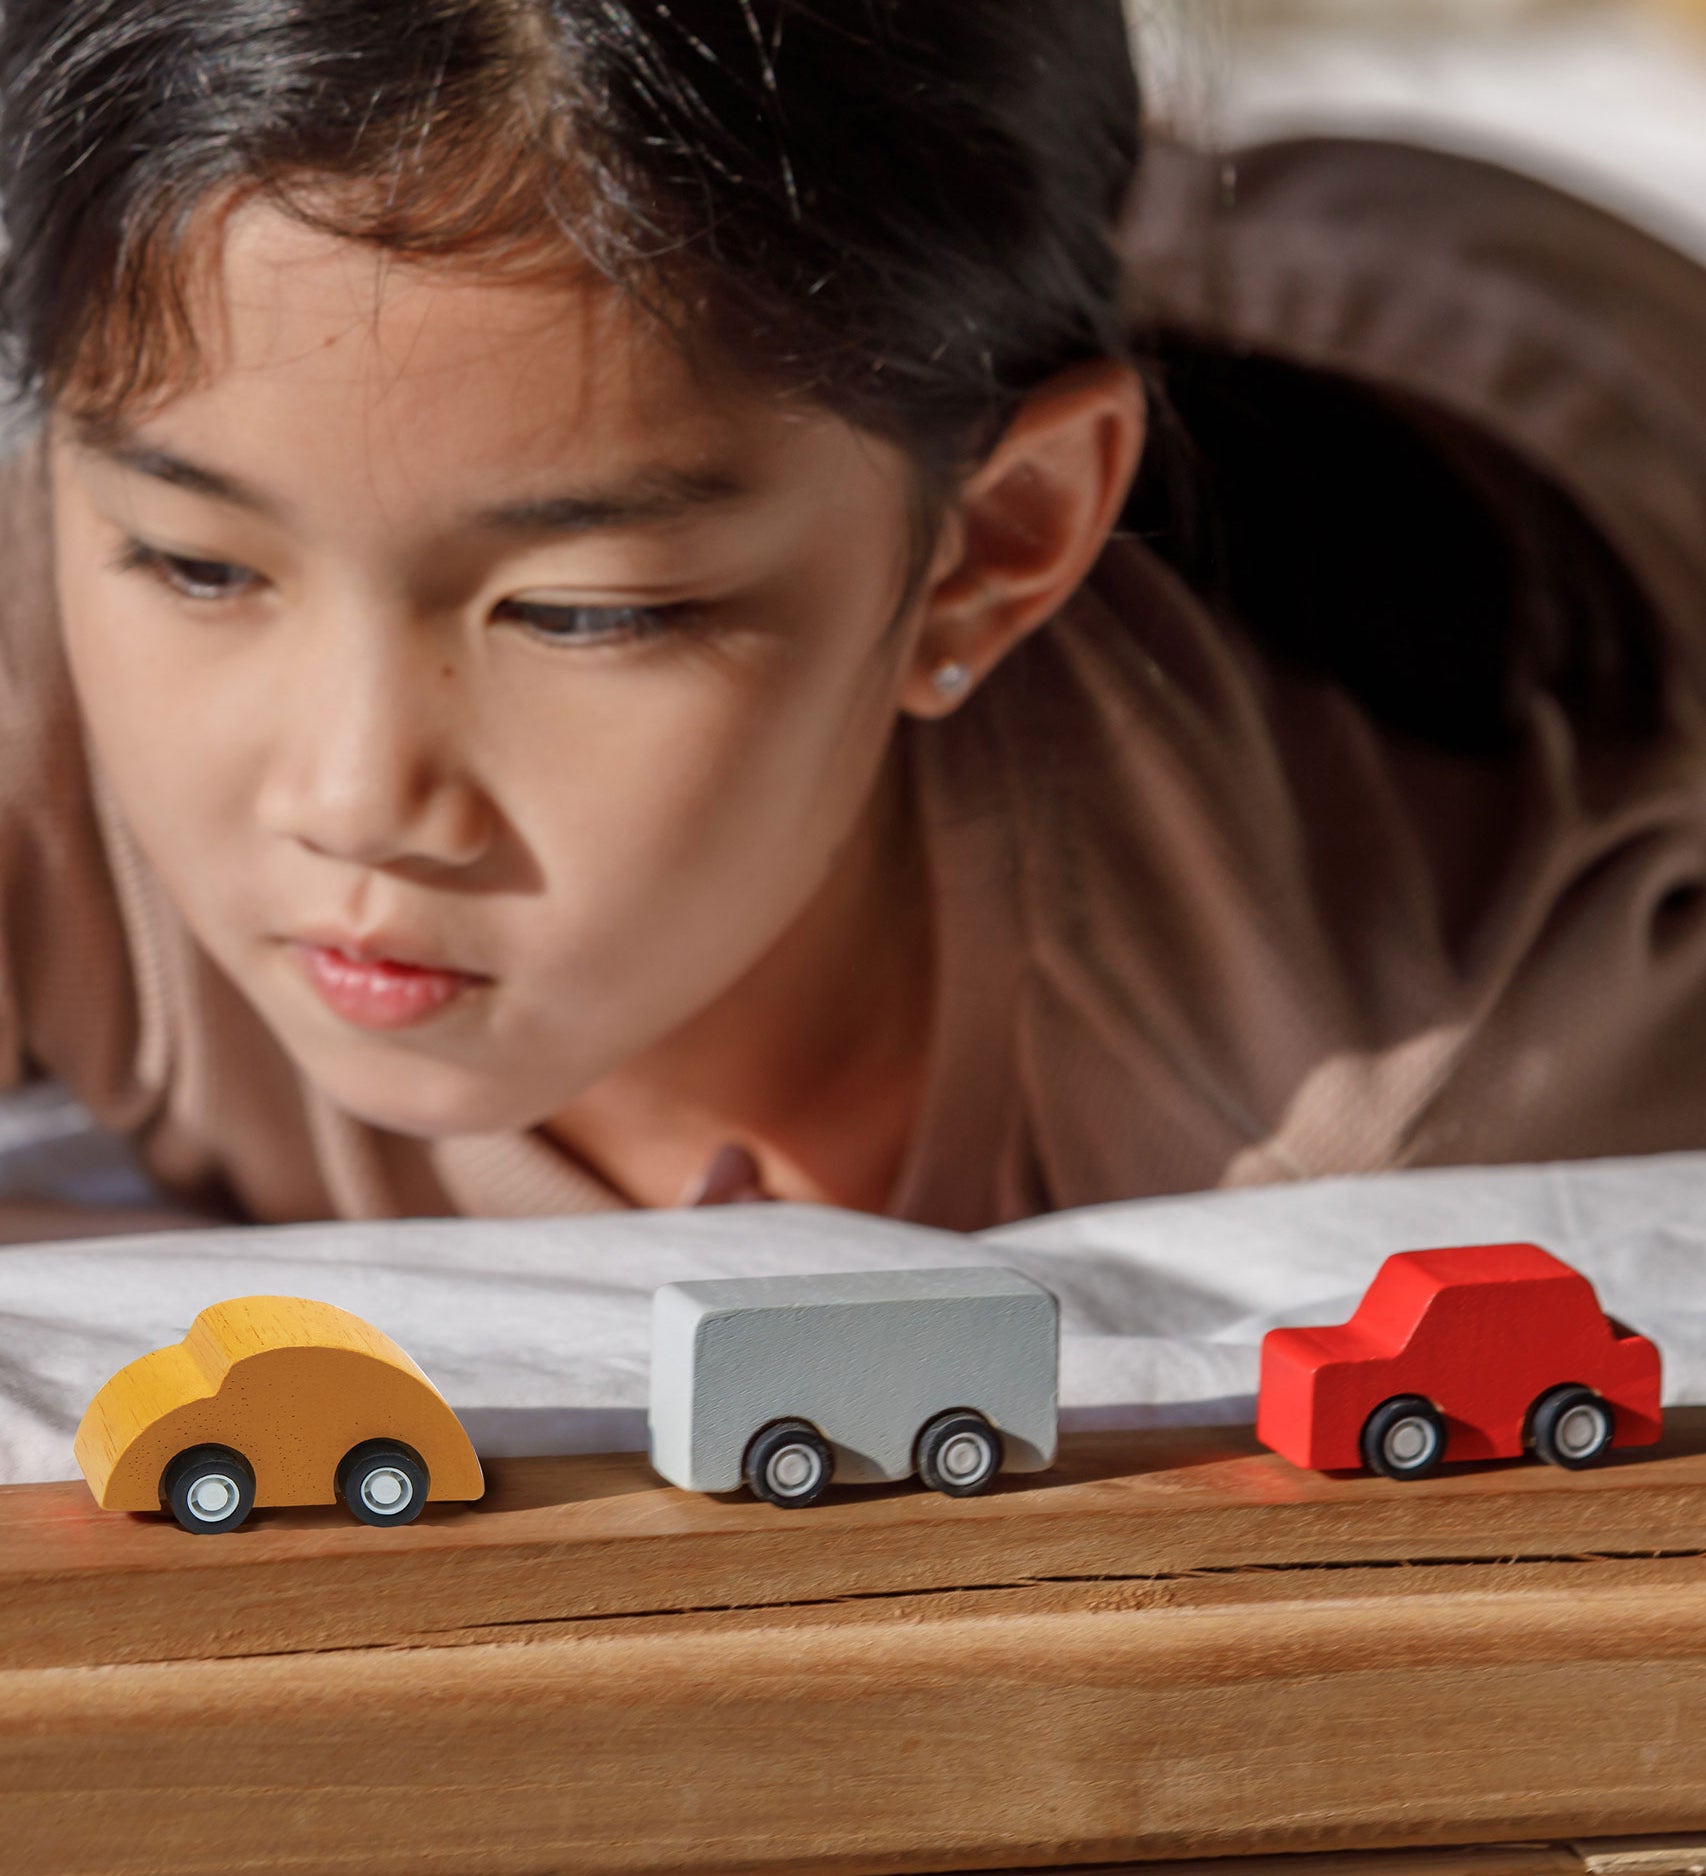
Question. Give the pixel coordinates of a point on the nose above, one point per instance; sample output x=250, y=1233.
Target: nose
x=367, y=762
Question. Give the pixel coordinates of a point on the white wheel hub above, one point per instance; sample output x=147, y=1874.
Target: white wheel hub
x=1409, y=1441
x=964, y=1457
x=1580, y=1430
x=212, y=1498
x=387, y=1490
x=794, y=1469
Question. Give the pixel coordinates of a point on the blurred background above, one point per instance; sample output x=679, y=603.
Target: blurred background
x=1605, y=97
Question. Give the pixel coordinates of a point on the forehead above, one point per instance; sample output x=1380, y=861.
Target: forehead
x=303, y=334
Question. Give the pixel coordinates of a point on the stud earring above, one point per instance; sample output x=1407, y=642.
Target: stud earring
x=950, y=677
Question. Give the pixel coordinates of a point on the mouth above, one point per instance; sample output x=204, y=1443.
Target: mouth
x=381, y=992
x=394, y=950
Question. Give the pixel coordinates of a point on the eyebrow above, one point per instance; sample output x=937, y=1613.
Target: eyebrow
x=650, y=496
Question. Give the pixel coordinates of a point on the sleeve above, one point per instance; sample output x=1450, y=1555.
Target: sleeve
x=1238, y=936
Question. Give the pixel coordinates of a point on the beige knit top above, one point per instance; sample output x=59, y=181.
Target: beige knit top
x=1199, y=920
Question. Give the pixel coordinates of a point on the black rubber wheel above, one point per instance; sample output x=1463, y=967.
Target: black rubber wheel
x=959, y=1453
x=1404, y=1438
x=1571, y=1426
x=788, y=1463
x=383, y=1482
x=208, y=1489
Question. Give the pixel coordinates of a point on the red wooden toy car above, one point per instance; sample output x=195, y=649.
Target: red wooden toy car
x=1479, y=1352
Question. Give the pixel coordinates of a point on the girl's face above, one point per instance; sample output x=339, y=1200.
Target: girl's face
x=460, y=616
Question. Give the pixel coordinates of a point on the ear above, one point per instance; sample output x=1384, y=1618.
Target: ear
x=1025, y=529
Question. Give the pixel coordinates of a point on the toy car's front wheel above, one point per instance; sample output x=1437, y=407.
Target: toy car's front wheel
x=1404, y=1438
x=788, y=1464
x=383, y=1482
x=1571, y=1426
x=208, y=1489
x=959, y=1454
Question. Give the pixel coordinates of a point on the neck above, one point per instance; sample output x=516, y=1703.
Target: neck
x=814, y=1061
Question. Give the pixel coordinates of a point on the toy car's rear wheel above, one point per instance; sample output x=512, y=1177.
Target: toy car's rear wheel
x=959, y=1453
x=383, y=1482
x=1404, y=1438
x=208, y=1489
x=788, y=1463
x=1571, y=1426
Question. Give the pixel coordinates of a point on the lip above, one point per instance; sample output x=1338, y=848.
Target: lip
x=378, y=947
x=382, y=993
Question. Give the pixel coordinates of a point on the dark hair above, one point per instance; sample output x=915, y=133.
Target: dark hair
x=1369, y=536
x=902, y=209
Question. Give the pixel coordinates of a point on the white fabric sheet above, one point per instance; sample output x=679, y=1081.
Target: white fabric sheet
x=537, y=1329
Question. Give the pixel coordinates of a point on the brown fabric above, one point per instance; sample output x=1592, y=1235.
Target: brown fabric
x=1199, y=920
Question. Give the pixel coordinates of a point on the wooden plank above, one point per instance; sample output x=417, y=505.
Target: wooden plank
x=1502, y=1859
x=563, y=1540
x=919, y=1742
x=1683, y=1855
x=1175, y=1646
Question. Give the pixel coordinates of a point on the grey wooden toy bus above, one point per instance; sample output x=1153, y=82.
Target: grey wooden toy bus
x=785, y=1383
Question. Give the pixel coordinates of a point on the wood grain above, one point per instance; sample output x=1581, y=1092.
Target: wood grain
x=1657, y=1856
x=1172, y=1645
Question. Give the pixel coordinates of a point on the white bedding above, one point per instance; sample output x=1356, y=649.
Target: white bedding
x=1606, y=101
x=536, y=1329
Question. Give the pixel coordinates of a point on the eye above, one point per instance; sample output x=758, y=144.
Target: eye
x=597, y=625
x=192, y=579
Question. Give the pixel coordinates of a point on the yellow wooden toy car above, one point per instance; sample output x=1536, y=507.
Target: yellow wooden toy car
x=274, y=1400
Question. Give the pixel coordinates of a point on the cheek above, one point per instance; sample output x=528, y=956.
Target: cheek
x=135, y=714
x=718, y=798
x=151, y=729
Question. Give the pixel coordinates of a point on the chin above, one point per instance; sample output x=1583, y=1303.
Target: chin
x=425, y=1099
